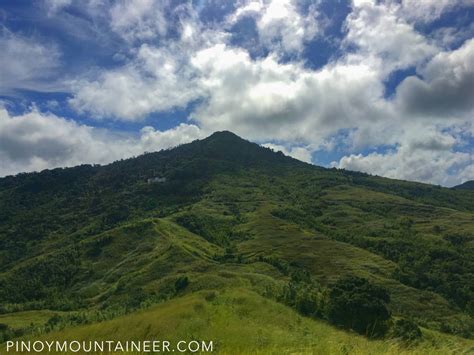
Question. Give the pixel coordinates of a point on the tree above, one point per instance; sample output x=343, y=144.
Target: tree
x=357, y=304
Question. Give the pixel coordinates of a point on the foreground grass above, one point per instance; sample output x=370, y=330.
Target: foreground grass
x=239, y=321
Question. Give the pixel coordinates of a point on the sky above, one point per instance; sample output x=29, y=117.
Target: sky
x=383, y=87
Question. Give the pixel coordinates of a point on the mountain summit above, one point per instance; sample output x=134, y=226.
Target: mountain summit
x=228, y=146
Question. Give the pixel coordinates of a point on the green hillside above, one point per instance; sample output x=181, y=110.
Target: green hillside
x=245, y=322
x=233, y=242
x=468, y=185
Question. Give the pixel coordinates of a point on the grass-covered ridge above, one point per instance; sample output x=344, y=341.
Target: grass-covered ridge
x=243, y=322
x=90, y=249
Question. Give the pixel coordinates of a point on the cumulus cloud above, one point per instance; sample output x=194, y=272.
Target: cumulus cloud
x=35, y=141
x=152, y=139
x=282, y=27
x=155, y=81
x=430, y=126
x=445, y=89
x=430, y=167
x=430, y=10
x=264, y=99
x=385, y=38
x=426, y=155
x=452, y=37
x=300, y=153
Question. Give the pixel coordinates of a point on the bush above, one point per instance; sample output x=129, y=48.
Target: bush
x=5, y=333
x=302, y=294
x=210, y=296
x=181, y=283
x=307, y=302
x=405, y=330
x=355, y=303
x=135, y=297
x=456, y=239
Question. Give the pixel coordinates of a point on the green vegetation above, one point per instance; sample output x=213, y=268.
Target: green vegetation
x=355, y=303
x=406, y=330
x=245, y=238
x=243, y=322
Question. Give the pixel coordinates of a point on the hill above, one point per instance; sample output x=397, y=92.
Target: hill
x=97, y=247
x=468, y=185
x=245, y=322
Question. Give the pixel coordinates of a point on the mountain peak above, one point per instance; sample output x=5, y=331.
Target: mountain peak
x=224, y=135
x=226, y=145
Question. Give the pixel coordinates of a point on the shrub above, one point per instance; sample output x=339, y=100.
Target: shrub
x=456, y=239
x=307, y=302
x=135, y=297
x=210, y=296
x=405, y=330
x=5, y=333
x=181, y=283
x=357, y=304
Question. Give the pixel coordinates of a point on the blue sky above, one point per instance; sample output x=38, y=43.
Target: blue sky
x=384, y=87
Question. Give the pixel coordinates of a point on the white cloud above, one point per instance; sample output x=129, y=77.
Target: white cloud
x=379, y=31
x=280, y=24
x=430, y=125
x=300, y=153
x=445, y=89
x=452, y=37
x=154, y=81
x=263, y=99
x=467, y=173
x=35, y=141
x=26, y=63
x=430, y=10
x=418, y=10
x=54, y=6
x=139, y=19
x=153, y=140
x=427, y=167
x=423, y=154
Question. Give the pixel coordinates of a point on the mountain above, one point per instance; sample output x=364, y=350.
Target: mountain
x=468, y=185
x=225, y=230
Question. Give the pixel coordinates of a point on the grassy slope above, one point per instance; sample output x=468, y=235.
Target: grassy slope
x=329, y=259
x=240, y=321
x=237, y=313
x=25, y=319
